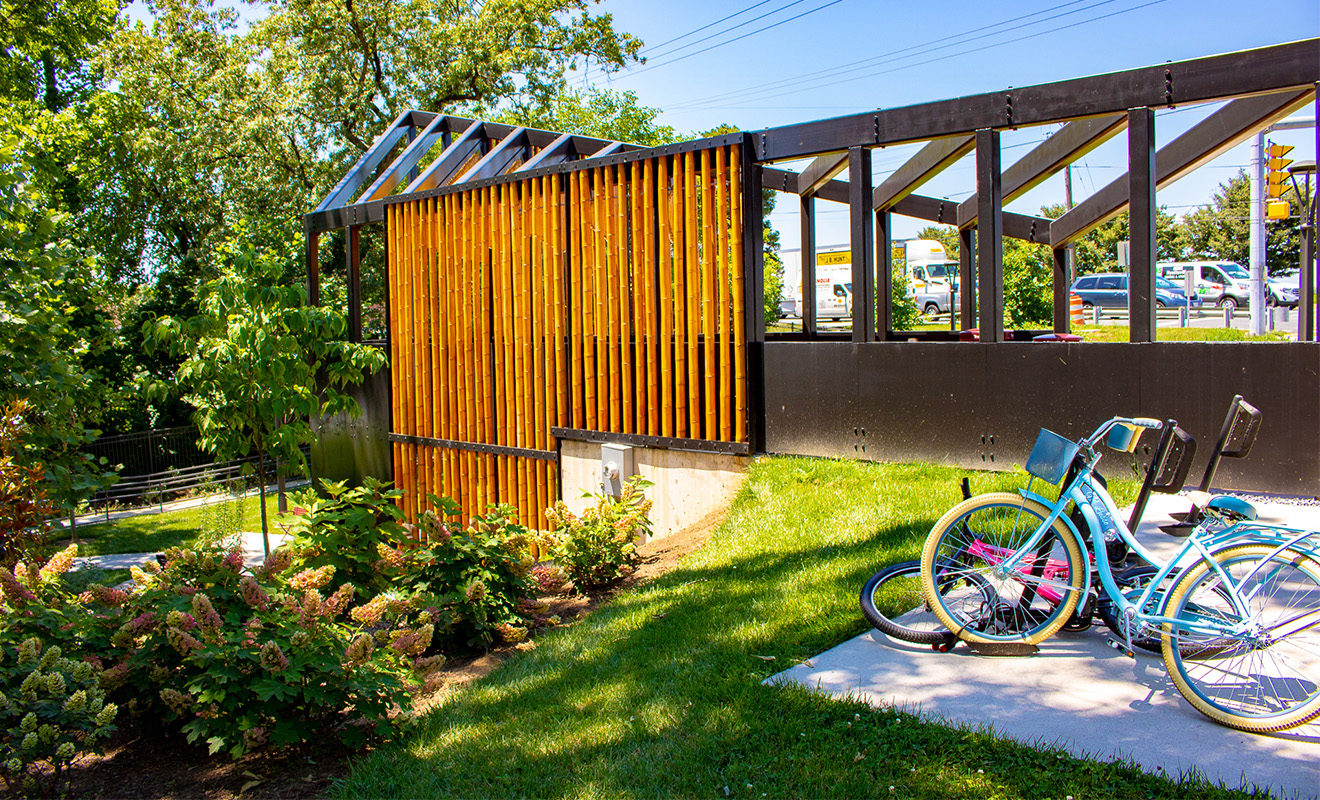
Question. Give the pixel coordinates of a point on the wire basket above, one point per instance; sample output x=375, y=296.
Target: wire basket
x=1051, y=456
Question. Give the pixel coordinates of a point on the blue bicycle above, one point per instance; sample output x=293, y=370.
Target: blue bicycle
x=1239, y=628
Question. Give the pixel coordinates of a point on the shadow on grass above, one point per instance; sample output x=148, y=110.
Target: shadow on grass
x=659, y=692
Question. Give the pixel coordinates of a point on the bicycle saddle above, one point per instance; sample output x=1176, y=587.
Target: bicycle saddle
x=1230, y=510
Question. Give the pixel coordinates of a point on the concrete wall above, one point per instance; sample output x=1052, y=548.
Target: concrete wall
x=688, y=486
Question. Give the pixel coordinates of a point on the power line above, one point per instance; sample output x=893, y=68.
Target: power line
x=709, y=25
x=862, y=63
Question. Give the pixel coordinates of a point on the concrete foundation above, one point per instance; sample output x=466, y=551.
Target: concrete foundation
x=688, y=486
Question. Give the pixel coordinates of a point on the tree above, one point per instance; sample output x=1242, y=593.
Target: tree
x=1097, y=250
x=49, y=323
x=259, y=361
x=598, y=113
x=1028, y=285
x=1221, y=229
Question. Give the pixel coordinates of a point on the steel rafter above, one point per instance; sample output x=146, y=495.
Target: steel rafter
x=930, y=161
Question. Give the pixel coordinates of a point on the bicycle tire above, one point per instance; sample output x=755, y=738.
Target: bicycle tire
x=899, y=586
x=1022, y=612
x=1237, y=686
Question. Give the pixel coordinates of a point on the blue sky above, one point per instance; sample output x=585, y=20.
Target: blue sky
x=843, y=56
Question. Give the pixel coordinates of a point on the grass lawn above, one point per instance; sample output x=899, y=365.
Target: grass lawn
x=658, y=693
x=151, y=532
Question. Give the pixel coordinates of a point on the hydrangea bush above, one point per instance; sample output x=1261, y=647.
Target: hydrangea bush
x=600, y=546
x=343, y=527
x=240, y=660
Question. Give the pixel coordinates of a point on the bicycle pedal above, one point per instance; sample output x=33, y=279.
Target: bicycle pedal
x=1003, y=648
x=1120, y=647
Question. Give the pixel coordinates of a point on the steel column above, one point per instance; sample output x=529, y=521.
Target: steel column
x=990, y=235
x=966, y=278
x=862, y=239
x=313, y=269
x=352, y=242
x=1141, y=225
x=884, y=285
x=753, y=292
x=807, y=217
x=1062, y=301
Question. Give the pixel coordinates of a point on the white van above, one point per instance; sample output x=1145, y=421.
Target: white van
x=1222, y=283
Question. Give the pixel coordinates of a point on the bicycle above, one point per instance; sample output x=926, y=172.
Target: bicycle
x=1238, y=628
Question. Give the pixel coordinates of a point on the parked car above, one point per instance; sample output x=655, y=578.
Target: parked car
x=1223, y=283
x=1111, y=291
x=1282, y=290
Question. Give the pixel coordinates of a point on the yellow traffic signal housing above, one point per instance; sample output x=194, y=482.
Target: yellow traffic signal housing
x=1277, y=209
x=1276, y=179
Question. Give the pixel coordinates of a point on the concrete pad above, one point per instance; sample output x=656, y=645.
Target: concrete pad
x=254, y=554
x=1077, y=693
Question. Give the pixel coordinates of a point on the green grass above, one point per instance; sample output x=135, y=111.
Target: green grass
x=1119, y=333
x=659, y=693
x=149, y=533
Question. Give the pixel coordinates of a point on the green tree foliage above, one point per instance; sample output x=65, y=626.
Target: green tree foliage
x=1221, y=229
x=259, y=362
x=1028, y=285
x=1097, y=250
x=599, y=113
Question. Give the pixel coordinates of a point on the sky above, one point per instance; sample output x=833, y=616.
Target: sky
x=763, y=63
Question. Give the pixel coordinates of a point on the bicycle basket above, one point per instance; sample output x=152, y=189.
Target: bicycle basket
x=1051, y=456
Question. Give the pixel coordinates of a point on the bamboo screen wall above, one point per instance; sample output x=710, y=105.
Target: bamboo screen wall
x=603, y=299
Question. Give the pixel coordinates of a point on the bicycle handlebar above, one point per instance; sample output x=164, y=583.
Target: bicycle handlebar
x=1140, y=422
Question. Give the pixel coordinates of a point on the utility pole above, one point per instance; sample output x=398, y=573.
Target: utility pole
x=1257, y=235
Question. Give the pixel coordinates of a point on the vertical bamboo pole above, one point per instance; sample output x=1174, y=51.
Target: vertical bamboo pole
x=736, y=257
x=627, y=421
x=396, y=373
x=540, y=346
x=410, y=361
x=573, y=290
x=681, y=310
x=557, y=301
x=606, y=361
x=693, y=297
x=590, y=344
x=668, y=374
x=709, y=264
x=650, y=269
x=637, y=293
x=517, y=244
x=722, y=302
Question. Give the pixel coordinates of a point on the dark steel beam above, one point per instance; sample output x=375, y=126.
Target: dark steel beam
x=353, y=242
x=753, y=261
x=313, y=268
x=807, y=220
x=1068, y=144
x=357, y=175
x=966, y=278
x=1200, y=80
x=928, y=162
x=1062, y=297
x=884, y=283
x=1206, y=140
x=862, y=239
x=989, y=237
x=1141, y=225
x=446, y=166
x=557, y=152
x=932, y=209
x=500, y=158
x=820, y=171
x=405, y=164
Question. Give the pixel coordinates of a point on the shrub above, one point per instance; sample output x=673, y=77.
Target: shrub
x=35, y=601
x=343, y=528
x=51, y=711
x=24, y=505
x=242, y=660
x=474, y=582
x=600, y=547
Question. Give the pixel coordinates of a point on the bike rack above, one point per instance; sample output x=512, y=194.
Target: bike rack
x=1168, y=468
x=1236, y=437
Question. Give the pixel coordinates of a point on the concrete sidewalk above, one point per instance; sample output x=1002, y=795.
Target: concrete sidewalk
x=1077, y=694
x=253, y=554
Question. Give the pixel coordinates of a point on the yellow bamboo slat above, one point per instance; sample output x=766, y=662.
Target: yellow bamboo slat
x=679, y=221
x=392, y=289
x=600, y=269
x=589, y=342
x=637, y=295
x=576, y=405
x=650, y=271
x=516, y=247
x=527, y=391
x=665, y=309
x=627, y=420
x=736, y=261
x=425, y=256
x=557, y=282
x=709, y=232
x=541, y=348
x=722, y=296
x=692, y=263
x=437, y=355
x=508, y=310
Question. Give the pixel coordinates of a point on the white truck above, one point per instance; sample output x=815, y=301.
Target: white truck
x=929, y=271
x=932, y=276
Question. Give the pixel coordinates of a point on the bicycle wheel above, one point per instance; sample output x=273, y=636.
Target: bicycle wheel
x=893, y=603
x=971, y=540
x=1133, y=582
x=1264, y=672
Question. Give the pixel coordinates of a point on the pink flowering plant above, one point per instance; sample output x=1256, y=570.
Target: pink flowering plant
x=473, y=582
x=600, y=546
x=343, y=527
x=241, y=660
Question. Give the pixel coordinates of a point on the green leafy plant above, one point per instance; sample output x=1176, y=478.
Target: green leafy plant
x=52, y=710
x=343, y=528
x=600, y=546
x=24, y=504
x=240, y=660
x=474, y=582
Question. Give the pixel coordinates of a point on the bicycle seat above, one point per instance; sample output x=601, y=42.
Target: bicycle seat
x=1230, y=510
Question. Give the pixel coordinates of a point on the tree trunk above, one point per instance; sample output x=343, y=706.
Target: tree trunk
x=261, y=491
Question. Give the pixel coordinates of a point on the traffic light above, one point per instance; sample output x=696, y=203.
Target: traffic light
x=1276, y=177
